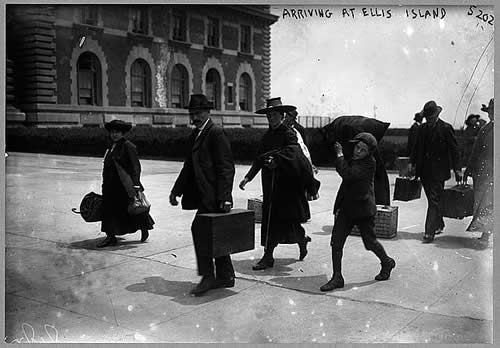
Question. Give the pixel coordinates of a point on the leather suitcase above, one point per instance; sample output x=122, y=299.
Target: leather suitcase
x=406, y=189
x=386, y=222
x=457, y=202
x=218, y=234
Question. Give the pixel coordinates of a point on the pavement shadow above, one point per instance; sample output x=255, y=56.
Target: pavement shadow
x=178, y=290
x=91, y=244
x=306, y=283
x=405, y=236
x=327, y=230
x=280, y=268
x=458, y=242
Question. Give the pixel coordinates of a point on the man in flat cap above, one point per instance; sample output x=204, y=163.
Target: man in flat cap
x=355, y=205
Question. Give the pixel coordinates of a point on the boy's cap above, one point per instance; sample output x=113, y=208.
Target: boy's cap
x=366, y=138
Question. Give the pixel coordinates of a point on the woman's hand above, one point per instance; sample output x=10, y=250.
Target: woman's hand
x=243, y=183
x=173, y=199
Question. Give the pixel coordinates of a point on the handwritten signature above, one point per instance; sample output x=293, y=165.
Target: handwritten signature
x=52, y=335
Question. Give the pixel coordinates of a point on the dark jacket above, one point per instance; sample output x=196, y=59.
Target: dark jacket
x=356, y=196
x=435, y=152
x=207, y=176
x=116, y=220
x=292, y=176
x=301, y=130
x=412, y=137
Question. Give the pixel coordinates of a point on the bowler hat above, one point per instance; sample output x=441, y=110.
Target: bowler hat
x=274, y=104
x=118, y=125
x=490, y=106
x=200, y=102
x=431, y=109
x=366, y=138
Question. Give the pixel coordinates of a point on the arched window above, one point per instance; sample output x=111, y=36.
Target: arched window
x=140, y=75
x=89, y=80
x=213, y=88
x=245, y=92
x=179, y=87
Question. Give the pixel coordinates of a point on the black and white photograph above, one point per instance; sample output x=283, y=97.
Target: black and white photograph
x=248, y=173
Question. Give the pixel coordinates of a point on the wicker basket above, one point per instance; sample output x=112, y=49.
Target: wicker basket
x=255, y=204
x=386, y=222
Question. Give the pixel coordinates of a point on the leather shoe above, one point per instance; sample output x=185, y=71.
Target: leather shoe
x=263, y=264
x=224, y=282
x=108, y=241
x=387, y=267
x=336, y=282
x=203, y=286
x=427, y=238
x=303, y=247
x=144, y=235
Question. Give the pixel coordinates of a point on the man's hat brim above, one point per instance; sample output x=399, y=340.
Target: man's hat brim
x=279, y=108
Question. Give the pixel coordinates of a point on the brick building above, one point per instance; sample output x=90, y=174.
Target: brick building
x=83, y=65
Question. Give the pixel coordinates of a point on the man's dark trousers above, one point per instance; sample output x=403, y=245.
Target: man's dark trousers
x=223, y=264
x=434, y=219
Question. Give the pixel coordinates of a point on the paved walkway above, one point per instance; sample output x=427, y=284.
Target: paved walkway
x=59, y=287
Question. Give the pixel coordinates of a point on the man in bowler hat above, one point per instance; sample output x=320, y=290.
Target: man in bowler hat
x=355, y=205
x=205, y=184
x=435, y=153
x=413, y=132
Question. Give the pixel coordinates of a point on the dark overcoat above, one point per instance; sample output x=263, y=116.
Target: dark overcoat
x=356, y=196
x=287, y=195
x=435, y=152
x=116, y=220
x=206, y=179
x=412, y=137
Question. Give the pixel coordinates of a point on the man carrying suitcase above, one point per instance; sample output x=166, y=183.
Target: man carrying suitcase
x=205, y=183
x=434, y=154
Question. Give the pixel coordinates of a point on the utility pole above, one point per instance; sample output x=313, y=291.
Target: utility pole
x=374, y=111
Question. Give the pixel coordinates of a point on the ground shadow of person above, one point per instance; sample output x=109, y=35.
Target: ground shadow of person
x=459, y=242
x=402, y=235
x=91, y=244
x=309, y=284
x=178, y=290
x=280, y=268
x=326, y=230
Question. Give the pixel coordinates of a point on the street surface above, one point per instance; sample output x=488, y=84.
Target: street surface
x=59, y=287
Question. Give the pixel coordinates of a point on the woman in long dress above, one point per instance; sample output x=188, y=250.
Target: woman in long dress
x=480, y=168
x=116, y=220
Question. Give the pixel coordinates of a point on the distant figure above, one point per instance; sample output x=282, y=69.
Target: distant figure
x=473, y=124
x=291, y=121
x=355, y=205
x=286, y=173
x=434, y=154
x=480, y=168
x=205, y=184
x=413, y=132
x=115, y=197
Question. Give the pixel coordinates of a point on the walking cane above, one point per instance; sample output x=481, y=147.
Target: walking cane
x=269, y=212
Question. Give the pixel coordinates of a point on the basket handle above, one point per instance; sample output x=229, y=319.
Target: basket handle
x=75, y=211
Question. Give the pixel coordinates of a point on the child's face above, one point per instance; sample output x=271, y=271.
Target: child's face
x=360, y=151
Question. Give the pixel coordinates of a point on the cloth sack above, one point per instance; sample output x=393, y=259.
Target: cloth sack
x=90, y=207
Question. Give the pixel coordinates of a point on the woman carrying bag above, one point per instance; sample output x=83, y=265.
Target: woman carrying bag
x=120, y=186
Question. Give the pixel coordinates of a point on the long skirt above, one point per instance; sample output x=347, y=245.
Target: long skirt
x=483, y=219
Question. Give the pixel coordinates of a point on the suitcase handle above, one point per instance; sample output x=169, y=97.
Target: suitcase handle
x=75, y=211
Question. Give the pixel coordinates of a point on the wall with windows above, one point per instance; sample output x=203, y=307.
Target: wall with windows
x=141, y=62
